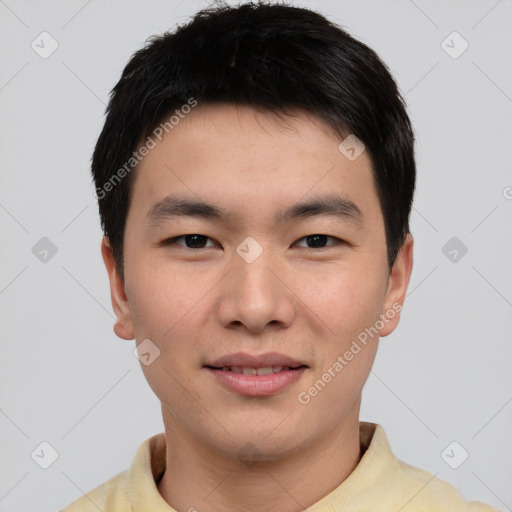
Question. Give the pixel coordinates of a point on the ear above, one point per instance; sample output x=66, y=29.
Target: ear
x=123, y=326
x=397, y=286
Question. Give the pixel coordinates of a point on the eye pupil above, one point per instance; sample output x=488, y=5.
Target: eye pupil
x=316, y=240
x=195, y=241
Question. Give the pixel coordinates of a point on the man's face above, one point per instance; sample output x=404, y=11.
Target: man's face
x=256, y=281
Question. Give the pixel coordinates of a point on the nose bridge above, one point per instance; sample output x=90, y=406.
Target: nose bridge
x=255, y=295
x=254, y=278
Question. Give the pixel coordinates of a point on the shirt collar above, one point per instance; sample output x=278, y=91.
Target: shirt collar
x=377, y=460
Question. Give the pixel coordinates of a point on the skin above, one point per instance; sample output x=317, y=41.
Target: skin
x=200, y=304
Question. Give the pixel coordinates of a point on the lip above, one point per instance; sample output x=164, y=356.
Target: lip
x=256, y=385
x=256, y=361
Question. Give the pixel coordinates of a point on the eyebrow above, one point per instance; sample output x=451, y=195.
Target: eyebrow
x=328, y=205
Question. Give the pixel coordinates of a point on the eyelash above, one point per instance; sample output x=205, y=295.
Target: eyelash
x=173, y=241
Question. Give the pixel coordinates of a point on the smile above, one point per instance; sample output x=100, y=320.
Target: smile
x=245, y=370
x=250, y=381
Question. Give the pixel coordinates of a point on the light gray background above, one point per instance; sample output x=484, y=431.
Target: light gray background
x=444, y=375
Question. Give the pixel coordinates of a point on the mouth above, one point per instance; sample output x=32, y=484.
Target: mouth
x=250, y=370
x=256, y=375
x=269, y=362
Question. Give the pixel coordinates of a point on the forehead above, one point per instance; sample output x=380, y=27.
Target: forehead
x=248, y=161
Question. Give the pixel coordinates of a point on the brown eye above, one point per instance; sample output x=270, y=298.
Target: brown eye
x=319, y=241
x=192, y=241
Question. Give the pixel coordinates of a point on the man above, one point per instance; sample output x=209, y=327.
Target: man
x=255, y=177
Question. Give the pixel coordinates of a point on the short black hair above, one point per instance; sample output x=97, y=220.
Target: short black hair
x=272, y=57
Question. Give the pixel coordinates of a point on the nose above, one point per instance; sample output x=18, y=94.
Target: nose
x=256, y=295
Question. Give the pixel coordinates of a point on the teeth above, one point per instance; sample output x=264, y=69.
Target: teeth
x=268, y=370
x=264, y=371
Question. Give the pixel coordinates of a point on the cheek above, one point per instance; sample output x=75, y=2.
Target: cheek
x=160, y=312
x=347, y=300
x=159, y=300
x=166, y=308
x=350, y=307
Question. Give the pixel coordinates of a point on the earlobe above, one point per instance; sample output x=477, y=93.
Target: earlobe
x=397, y=286
x=123, y=326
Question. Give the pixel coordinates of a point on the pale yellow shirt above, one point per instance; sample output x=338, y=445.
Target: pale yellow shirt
x=379, y=483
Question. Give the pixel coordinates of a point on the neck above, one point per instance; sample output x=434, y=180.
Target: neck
x=200, y=478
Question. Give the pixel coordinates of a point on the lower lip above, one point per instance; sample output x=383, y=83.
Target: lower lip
x=257, y=385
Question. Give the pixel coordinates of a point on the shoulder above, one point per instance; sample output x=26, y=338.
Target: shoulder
x=134, y=485
x=398, y=485
x=424, y=492
x=112, y=495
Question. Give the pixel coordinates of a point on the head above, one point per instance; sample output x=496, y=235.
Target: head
x=255, y=115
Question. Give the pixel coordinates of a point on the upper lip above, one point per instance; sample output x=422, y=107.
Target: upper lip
x=256, y=361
